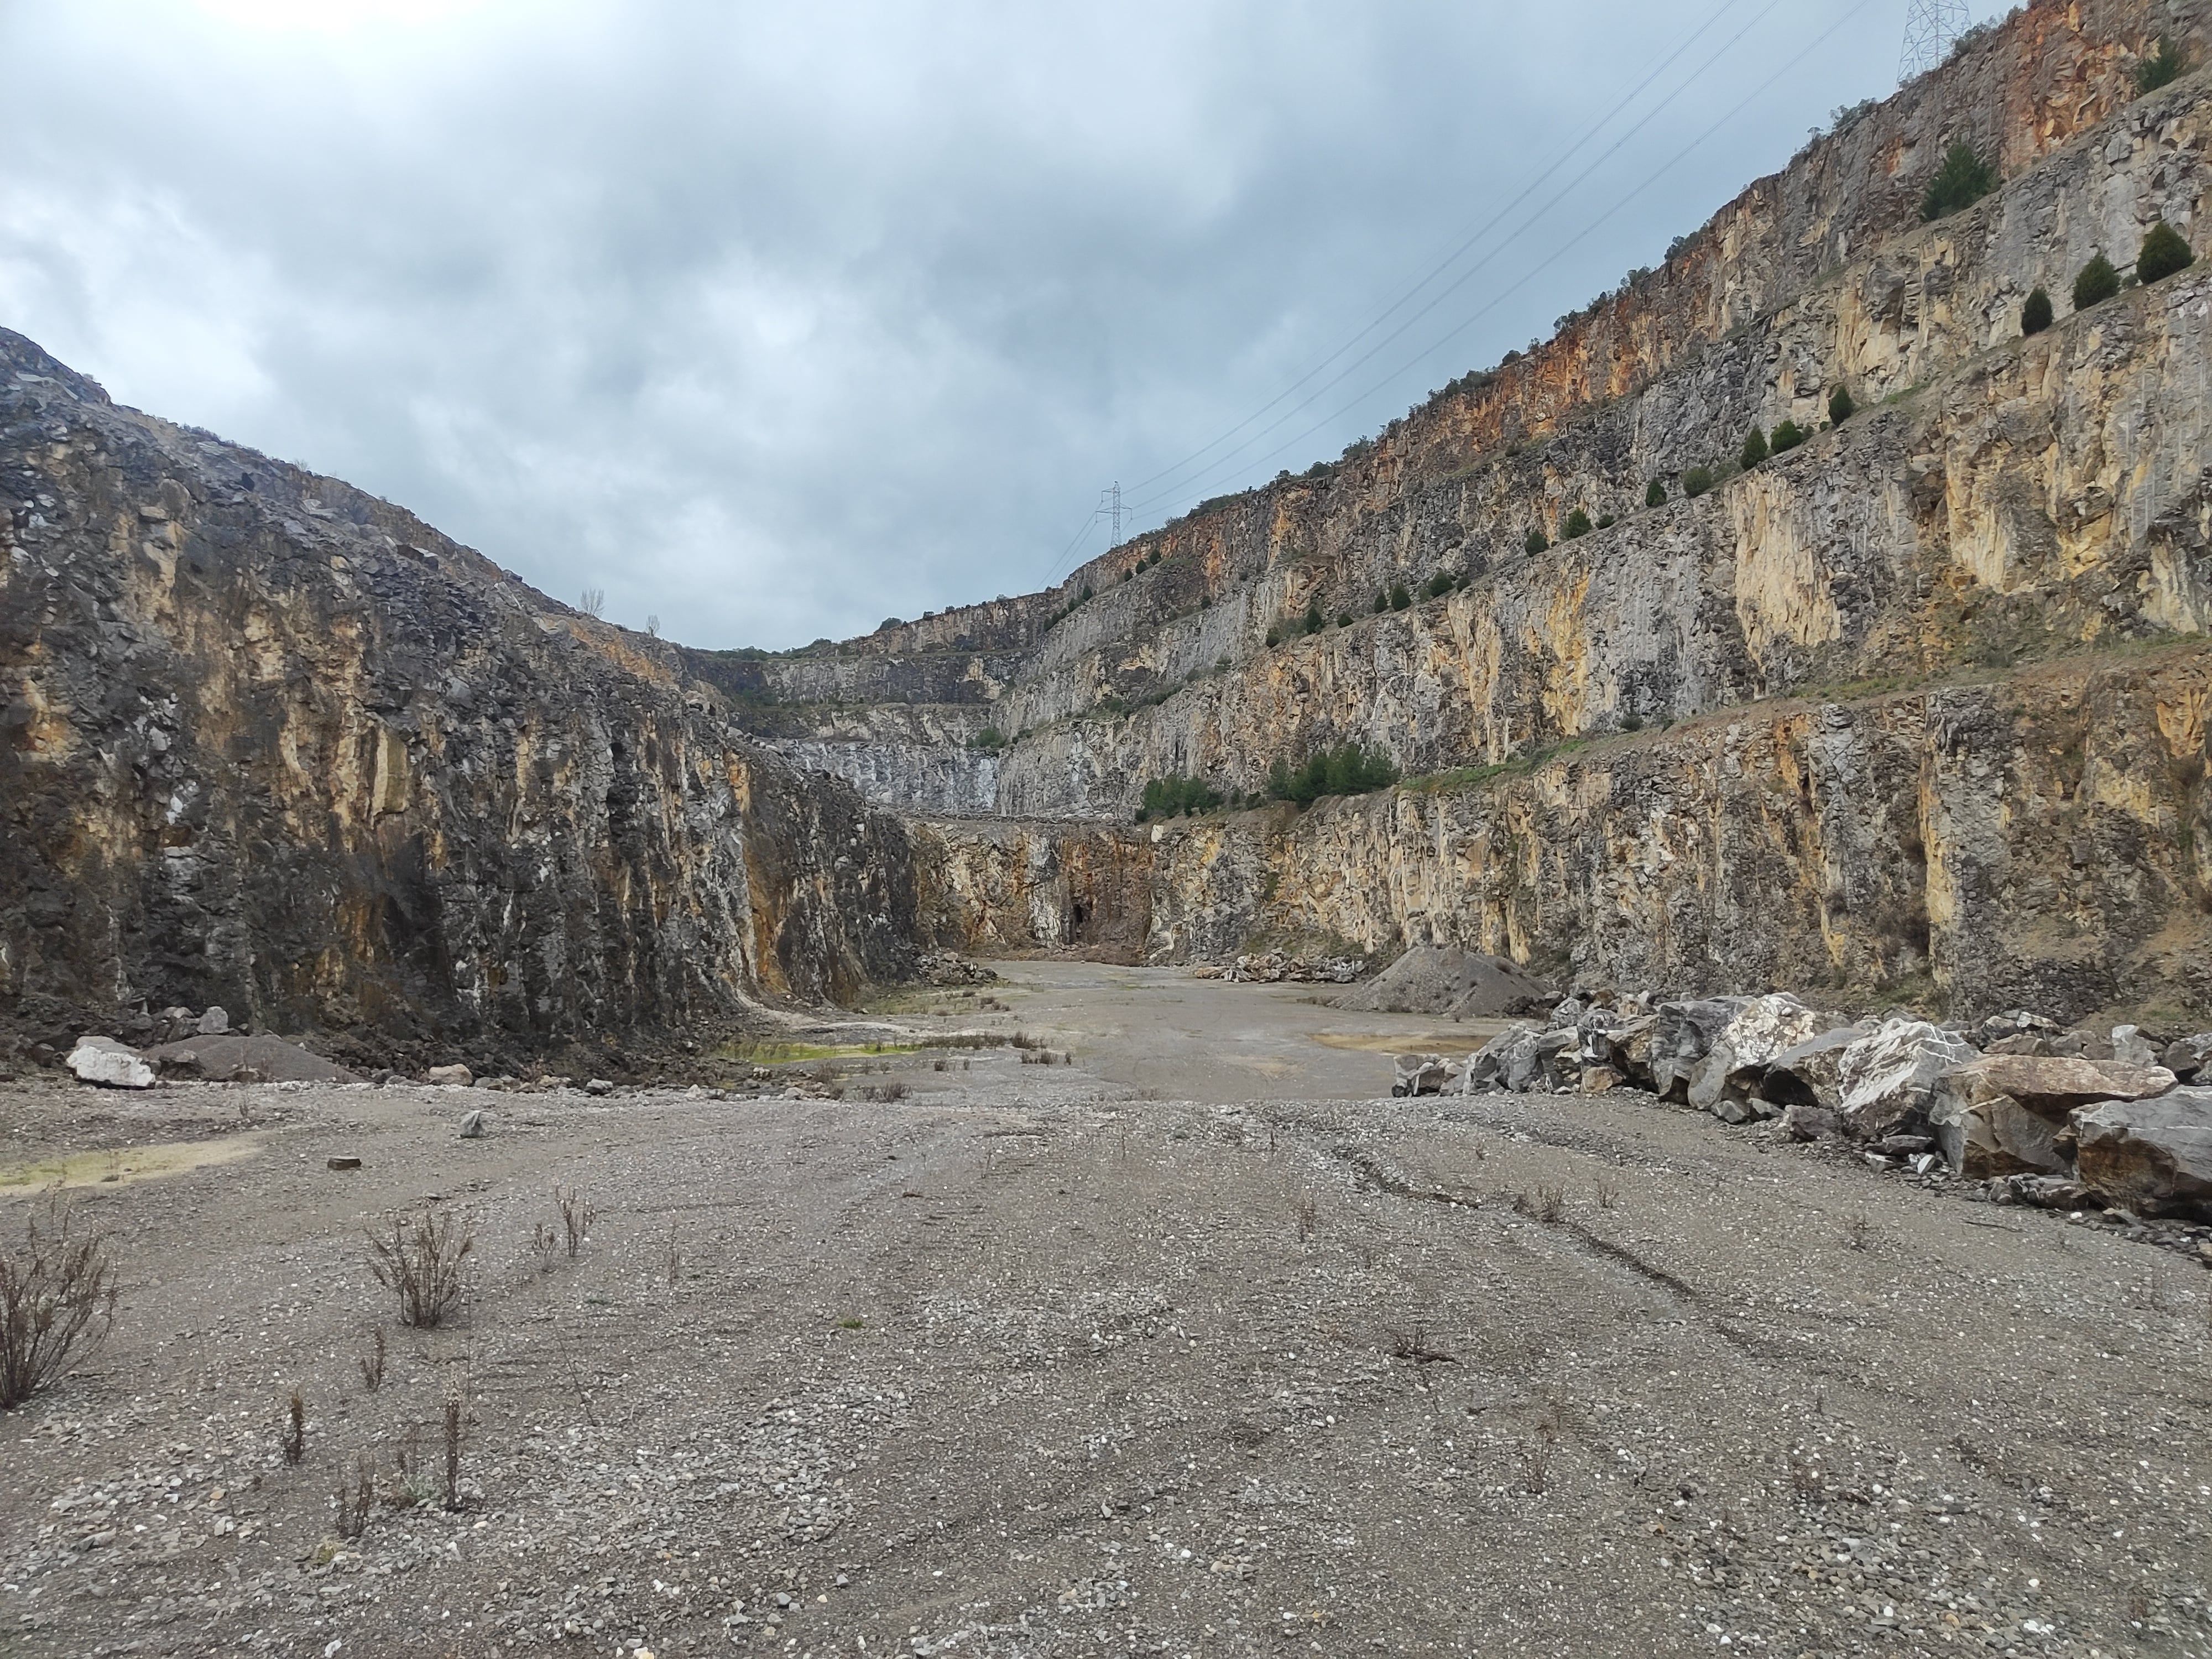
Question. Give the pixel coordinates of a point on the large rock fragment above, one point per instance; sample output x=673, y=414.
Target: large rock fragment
x=2002, y=1115
x=1686, y=1034
x=1724, y=1083
x=233, y=1059
x=1885, y=1080
x=1626, y=1048
x=1423, y=1074
x=111, y=1064
x=1809, y=1074
x=2154, y=1156
x=2188, y=1057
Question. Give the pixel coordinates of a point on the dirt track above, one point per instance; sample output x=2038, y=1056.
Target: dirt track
x=1027, y=1363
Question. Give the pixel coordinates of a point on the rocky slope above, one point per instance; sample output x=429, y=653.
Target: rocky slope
x=273, y=743
x=1908, y=710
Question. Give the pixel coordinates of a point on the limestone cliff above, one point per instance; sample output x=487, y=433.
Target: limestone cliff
x=273, y=743
x=1910, y=709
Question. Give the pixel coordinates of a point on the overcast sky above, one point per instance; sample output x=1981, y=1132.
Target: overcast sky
x=772, y=321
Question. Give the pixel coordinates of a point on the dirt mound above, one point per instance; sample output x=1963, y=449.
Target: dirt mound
x=1436, y=980
x=245, y=1060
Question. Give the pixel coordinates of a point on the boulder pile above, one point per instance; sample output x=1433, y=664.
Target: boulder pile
x=1277, y=969
x=2040, y=1114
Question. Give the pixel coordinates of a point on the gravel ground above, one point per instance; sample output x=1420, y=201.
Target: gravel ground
x=1027, y=1363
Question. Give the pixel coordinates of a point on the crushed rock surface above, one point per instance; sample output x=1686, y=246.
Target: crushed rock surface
x=1025, y=1364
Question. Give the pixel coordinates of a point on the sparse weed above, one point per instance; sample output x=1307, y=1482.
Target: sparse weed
x=1858, y=1232
x=576, y=1218
x=1414, y=1346
x=1609, y=1194
x=292, y=1438
x=672, y=1258
x=1536, y=1466
x=1805, y=1479
x=421, y=1265
x=57, y=1292
x=452, y=1452
x=372, y=1362
x=352, y=1507
x=1305, y=1211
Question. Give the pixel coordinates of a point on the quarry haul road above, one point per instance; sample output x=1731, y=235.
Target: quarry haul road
x=1025, y=1364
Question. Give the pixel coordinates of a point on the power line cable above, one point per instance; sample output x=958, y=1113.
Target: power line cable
x=1473, y=270
x=1589, y=134
x=1560, y=253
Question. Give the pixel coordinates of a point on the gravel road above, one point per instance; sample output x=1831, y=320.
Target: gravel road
x=1027, y=1363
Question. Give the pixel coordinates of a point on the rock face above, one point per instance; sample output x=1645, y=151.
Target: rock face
x=2153, y=1157
x=267, y=741
x=1916, y=711
x=1635, y=765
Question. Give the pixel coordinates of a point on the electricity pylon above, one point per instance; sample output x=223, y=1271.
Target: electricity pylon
x=1931, y=27
x=1109, y=507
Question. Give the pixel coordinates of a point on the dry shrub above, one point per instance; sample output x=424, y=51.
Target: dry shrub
x=421, y=1265
x=1858, y=1232
x=1609, y=1194
x=1305, y=1211
x=57, y=1293
x=577, y=1216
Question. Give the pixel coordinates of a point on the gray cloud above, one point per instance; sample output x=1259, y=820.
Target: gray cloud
x=775, y=321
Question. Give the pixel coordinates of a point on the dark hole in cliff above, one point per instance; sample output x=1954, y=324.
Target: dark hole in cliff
x=1916, y=932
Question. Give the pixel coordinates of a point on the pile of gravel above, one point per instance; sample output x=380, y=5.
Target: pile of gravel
x=1438, y=980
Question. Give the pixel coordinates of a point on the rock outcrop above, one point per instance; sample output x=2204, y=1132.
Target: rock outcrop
x=267, y=741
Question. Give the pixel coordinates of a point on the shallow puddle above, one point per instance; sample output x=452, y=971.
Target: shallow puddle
x=122, y=1165
x=1462, y=1042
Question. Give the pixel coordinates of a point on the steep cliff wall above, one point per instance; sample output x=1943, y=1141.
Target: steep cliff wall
x=273, y=743
x=1829, y=720
x=2034, y=838
x=997, y=887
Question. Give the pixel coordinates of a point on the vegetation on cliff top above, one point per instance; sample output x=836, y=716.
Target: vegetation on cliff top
x=1351, y=769
x=1962, y=180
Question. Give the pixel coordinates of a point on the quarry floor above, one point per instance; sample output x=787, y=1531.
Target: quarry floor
x=1169, y=1350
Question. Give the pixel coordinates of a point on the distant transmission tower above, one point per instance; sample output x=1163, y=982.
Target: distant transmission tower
x=1109, y=507
x=1931, y=27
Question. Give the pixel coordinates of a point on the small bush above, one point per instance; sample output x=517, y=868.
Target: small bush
x=1274, y=637
x=57, y=1298
x=1840, y=406
x=1382, y=602
x=990, y=738
x=1962, y=180
x=1754, y=448
x=2097, y=283
x=1655, y=494
x=1576, y=527
x=372, y=1362
x=2035, y=312
x=2162, y=68
x=1440, y=584
x=1696, y=482
x=1787, y=437
x=1606, y=521
x=1399, y=598
x=1176, y=796
x=422, y=1266
x=1344, y=620
x=1349, y=769
x=1536, y=542
x=2164, y=252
